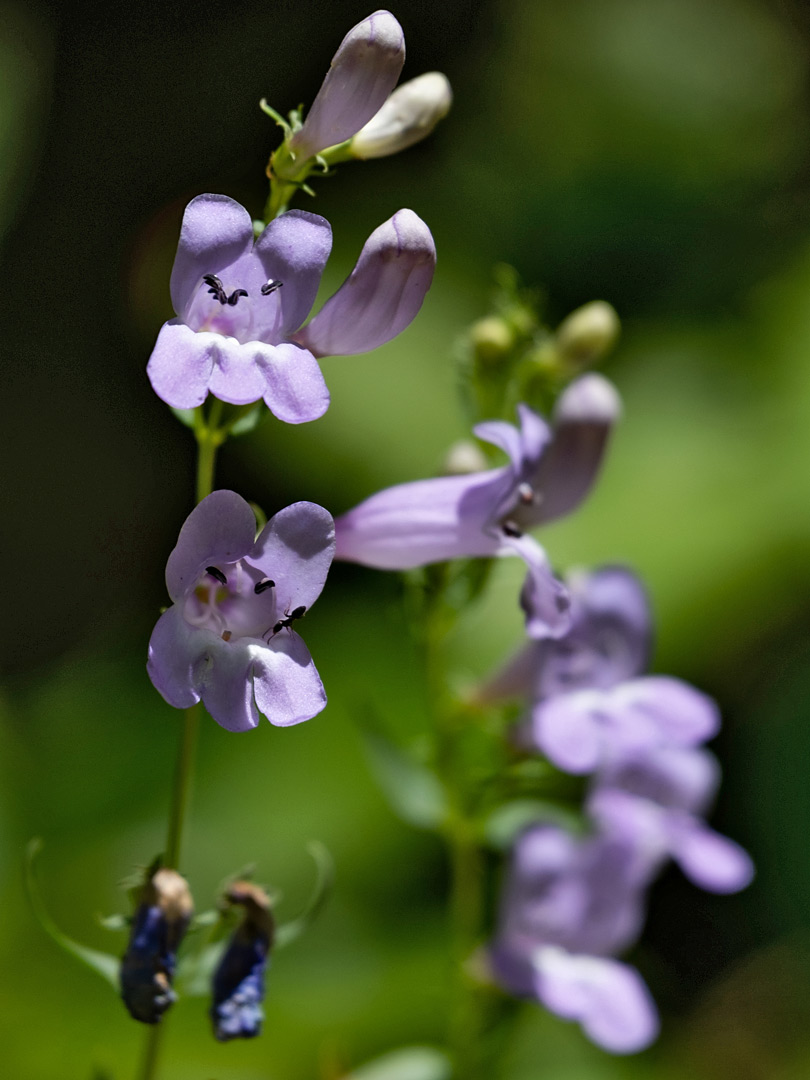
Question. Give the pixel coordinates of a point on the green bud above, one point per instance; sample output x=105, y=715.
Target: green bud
x=492, y=339
x=587, y=334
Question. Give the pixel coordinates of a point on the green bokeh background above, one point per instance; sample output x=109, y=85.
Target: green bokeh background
x=649, y=152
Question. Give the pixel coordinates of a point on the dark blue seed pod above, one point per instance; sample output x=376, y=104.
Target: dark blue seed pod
x=238, y=983
x=147, y=969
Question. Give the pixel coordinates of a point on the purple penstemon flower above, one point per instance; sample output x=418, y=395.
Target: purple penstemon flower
x=551, y=469
x=239, y=306
x=568, y=905
x=230, y=637
x=654, y=800
x=588, y=698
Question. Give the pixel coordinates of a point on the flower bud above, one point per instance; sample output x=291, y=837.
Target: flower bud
x=410, y=113
x=161, y=919
x=363, y=73
x=587, y=334
x=238, y=984
x=492, y=339
x=464, y=457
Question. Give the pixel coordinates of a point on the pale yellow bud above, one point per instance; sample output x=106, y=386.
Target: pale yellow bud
x=409, y=114
x=587, y=333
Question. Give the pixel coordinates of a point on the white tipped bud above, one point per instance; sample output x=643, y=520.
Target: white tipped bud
x=464, y=457
x=588, y=333
x=590, y=399
x=410, y=113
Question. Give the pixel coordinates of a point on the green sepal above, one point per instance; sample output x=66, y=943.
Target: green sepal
x=409, y=1063
x=279, y=119
x=412, y=790
x=187, y=417
x=289, y=932
x=103, y=964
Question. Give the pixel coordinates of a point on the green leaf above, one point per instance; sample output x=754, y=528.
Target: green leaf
x=103, y=963
x=185, y=416
x=289, y=932
x=413, y=791
x=505, y=822
x=409, y=1063
x=247, y=421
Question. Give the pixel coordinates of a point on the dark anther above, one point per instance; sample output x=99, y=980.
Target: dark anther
x=526, y=494
x=270, y=287
x=226, y=635
x=215, y=573
x=216, y=289
x=511, y=529
x=263, y=585
x=290, y=617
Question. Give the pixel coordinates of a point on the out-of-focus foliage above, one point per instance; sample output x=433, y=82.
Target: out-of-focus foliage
x=650, y=154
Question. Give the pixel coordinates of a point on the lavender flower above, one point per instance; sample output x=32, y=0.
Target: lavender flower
x=550, y=472
x=147, y=969
x=363, y=72
x=654, y=799
x=588, y=702
x=567, y=907
x=238, y=983
x=228, y=637
x=240, y=305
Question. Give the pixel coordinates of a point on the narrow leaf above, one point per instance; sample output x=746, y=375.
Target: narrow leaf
x=288, y=932
x=103, y=963
x=413, y=791
x=409, y=1063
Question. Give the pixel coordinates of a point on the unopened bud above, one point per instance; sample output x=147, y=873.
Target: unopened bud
x=363, y=73
x=161, y=919
x=587, y=334
x=238, y=984
x=492, y=339
x=464, y=457
x=409, y=115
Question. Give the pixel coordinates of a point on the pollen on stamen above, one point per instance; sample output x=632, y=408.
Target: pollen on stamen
x=226, y=635
x=270, y=287
x=526, y=494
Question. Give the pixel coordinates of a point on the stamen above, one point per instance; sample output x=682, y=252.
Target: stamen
x=270, y=287
x=226, y=635
x=526, y=494
x=264, y=585
x=215, y=288
x=217, y=574
x=233, y=298
x=511, y=529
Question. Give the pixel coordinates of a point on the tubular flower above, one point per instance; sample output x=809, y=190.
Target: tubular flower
x=550, y=471
x=239, y=306
x=158, y=926
x=229, y=637
x=589, y=700
x=567, y=907
x=363, y=72
x=654, y=799
x=238, y=983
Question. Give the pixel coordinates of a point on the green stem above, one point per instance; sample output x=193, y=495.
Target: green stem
x=181, y=792
x=150, y=1053
x=209, y=438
